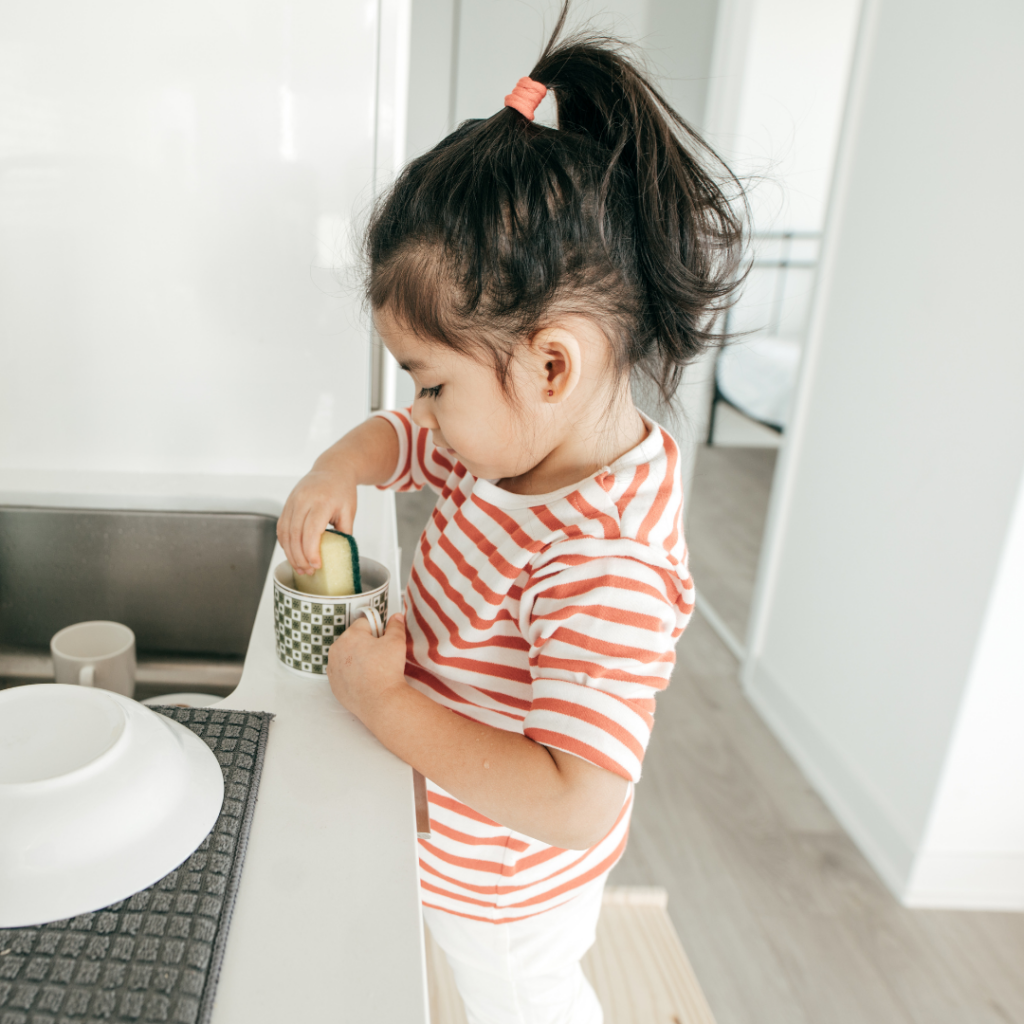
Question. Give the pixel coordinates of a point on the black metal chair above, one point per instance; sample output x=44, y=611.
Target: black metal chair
x=782, y=265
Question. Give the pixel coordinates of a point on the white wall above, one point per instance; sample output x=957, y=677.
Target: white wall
x=892, y=513
x=435, y=28
x=678, y=42
x=177, y=183
x=778, y=84
x=973, y=850
x=499, y=42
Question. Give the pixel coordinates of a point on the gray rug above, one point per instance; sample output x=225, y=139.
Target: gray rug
x=157, y=955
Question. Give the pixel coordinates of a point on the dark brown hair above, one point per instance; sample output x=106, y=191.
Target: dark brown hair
x=623, y=214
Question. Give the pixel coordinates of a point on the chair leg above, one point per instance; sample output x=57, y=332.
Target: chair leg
x=711, y=419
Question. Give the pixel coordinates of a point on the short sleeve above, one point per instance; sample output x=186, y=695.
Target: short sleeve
x=420, y=464
x=602, y=635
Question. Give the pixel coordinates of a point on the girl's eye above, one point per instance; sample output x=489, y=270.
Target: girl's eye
x=430, y=392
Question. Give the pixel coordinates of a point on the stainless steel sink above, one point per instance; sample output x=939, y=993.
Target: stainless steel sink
x=187, y=583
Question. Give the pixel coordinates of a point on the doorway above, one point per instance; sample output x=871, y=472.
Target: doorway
x=753, y=383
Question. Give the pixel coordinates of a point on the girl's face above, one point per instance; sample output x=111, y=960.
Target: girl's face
x=459, y=400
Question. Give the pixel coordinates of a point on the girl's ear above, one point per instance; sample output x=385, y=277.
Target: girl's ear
x=556, y=363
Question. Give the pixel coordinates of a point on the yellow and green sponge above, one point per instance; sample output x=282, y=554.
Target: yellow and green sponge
x=338, y=575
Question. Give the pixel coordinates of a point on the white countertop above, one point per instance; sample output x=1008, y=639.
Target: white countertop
x=327, y=922
x=326, y=925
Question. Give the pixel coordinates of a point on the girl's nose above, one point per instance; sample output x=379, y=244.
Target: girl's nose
x=422, y=416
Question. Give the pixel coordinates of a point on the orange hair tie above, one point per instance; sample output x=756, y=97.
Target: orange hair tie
x=526, y=97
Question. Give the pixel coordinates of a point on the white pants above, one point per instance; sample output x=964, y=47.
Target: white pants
x=524, y=972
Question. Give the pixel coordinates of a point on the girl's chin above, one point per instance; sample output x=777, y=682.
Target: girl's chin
x=481, y=472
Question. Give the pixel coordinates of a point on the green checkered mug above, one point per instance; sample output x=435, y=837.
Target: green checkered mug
x=305, y=625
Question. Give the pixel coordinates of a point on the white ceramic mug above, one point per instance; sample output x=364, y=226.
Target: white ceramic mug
x=95, y=654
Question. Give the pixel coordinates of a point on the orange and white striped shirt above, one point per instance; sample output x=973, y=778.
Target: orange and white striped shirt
x=552, y=615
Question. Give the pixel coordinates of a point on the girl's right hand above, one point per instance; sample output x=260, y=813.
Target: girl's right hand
x=319, y=499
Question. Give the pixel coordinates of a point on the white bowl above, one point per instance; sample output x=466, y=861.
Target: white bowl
x=99, y=798
x=182, y=700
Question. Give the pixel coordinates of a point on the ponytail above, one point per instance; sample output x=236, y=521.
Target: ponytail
x=621, y=214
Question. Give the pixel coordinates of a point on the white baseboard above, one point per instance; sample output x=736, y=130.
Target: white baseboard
x=954, y=881
x=967, y=881
x=860, y=810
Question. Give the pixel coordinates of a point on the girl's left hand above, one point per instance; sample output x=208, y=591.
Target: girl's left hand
x=362, y=668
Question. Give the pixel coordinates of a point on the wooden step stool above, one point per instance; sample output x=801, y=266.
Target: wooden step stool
x=637, y=966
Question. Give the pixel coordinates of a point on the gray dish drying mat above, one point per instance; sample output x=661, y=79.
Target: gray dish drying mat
x=155, y=956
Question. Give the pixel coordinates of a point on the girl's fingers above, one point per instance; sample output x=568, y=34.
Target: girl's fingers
x=286, y=535
x=299, y=560
x=302, y=523
x=282, y=532
x=312, y=531
x=344, y=517
x=344, y=522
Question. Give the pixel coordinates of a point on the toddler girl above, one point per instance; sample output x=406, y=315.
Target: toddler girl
x=520, y=273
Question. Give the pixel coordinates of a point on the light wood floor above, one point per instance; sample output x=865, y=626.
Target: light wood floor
x=783, y=920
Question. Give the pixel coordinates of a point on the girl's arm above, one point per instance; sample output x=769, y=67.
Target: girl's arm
x=547, y=794
x=327, y=493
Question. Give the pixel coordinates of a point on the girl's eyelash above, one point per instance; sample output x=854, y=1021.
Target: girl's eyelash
x=430, y=392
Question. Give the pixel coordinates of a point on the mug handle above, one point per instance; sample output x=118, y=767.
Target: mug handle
x=87, y=675
x=376, y=622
